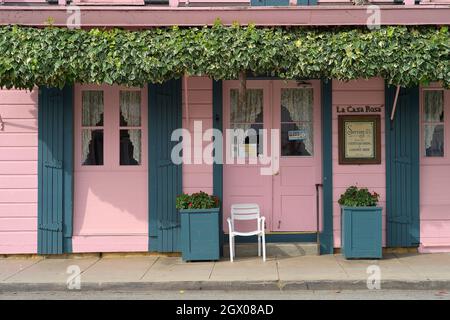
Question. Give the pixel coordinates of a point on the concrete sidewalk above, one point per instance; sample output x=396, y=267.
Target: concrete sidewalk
x=331, y=272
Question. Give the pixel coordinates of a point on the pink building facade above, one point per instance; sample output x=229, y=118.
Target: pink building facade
x=114, y=195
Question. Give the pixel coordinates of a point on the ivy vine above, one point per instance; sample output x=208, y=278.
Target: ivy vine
x=55, y=56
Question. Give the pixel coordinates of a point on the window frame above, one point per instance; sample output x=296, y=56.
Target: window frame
x=111, y=128
x=446, y=95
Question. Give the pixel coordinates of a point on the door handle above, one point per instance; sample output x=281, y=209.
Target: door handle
x=276, y=173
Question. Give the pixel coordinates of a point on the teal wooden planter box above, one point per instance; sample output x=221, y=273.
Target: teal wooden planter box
x=361, y=232
x=200, y=230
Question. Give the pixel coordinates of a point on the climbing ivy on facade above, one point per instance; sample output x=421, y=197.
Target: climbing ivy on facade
x=54, y=56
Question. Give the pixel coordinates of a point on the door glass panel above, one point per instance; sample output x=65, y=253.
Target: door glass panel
x=130, y=108
x=92, y=109
x=247, y=122
x=297, y=122
x=434, y=140
x=434, y=106
x=130, y=128
x=92, y=147
x=130, y=147
x=92, y=128
x=294, y=141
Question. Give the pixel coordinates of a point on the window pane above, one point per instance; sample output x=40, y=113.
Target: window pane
x=296, y=105
x=296, y=139
x=130, y=108
x=253, y=112
x=433, y=105
x=434, y=140
x=247, y=141
x=92, y=109
x=92, y=147
x=130, y=147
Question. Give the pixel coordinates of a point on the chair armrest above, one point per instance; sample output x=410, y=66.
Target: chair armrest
x=230, y=225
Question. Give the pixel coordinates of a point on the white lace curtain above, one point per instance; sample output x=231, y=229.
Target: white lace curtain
x=86, y=137
x=297, y=106
x=92, y=102
x=433, y=113
x=299, y=103
x=130, y=110
x=253, y=113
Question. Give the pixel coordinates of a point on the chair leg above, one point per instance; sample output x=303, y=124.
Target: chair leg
x=234, y=247
x=259, y=245
x=231, y=248
x=264, y=246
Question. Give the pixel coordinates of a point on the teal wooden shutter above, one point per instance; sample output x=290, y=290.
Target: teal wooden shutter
x=218, y=167
x=402, y=168
x=269, y=2
x=55, y=170
x=326, y=236
x=165, y=177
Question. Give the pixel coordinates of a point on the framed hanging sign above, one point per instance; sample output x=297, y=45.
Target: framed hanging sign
x=359, y=139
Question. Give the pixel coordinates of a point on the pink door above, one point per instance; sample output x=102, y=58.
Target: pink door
x=296, y=113
x=111, y=169
x=243, y=183
x=287, y=198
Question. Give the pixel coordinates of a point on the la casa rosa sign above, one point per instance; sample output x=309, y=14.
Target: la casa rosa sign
x=359, y=109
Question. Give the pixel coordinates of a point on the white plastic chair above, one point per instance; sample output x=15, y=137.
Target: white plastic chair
x=246, y=211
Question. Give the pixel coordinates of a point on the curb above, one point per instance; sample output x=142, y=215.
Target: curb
x=229, y=285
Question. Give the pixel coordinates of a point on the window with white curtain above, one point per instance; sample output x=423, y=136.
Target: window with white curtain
x=296, y=122
x=250, y=121
x=130, y=128
x=92, y=128
x=433, y=123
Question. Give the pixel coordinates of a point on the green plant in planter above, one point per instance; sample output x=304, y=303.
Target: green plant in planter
x=361, y=224
x=200, y=226
x=358, y=197
x=198, y=200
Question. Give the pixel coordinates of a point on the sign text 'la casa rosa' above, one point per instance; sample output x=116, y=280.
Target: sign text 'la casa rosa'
x=359, y=109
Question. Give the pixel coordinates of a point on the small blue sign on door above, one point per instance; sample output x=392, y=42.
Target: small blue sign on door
x=295, y=135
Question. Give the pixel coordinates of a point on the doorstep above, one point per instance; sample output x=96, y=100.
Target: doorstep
x=280, y=249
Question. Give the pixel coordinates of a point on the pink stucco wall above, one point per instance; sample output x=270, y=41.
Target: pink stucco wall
x=18, y=171
x=357, y=92
x=18, y=166
x=197, y=177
